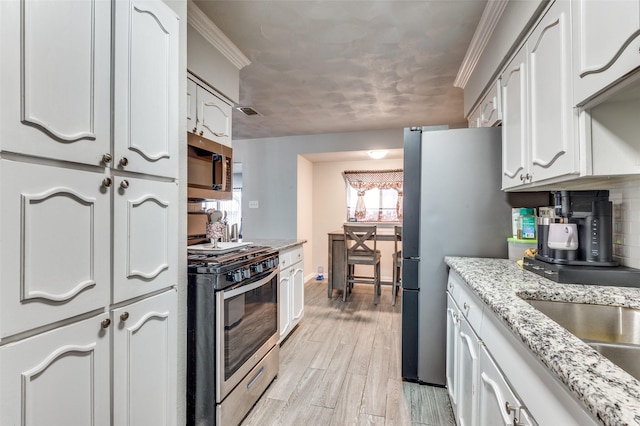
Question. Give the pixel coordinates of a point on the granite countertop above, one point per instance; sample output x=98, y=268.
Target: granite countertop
x=605, y=390
x=277, y=243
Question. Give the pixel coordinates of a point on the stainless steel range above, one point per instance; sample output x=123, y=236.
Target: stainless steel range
x=232, y=332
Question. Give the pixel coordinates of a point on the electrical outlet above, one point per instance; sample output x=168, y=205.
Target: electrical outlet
x=253, y=204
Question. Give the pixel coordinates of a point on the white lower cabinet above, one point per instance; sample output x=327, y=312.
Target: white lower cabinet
x=291, y=299
x=284, y=303
x=145, y=361
x=65, y=377
x=60, y=377
x=477, y=390
x=468, y=363
x=497, y=404
x=453, y=328
x=492, y=377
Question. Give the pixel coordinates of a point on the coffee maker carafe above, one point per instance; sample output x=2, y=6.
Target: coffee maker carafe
x=585, y=215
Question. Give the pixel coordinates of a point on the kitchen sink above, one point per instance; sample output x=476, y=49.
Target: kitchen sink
x=613, y=331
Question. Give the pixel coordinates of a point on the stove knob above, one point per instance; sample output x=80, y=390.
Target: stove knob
x=237, y=276
x=259, y=267
x=269, y=263
x=275, y=261
x=246, y=273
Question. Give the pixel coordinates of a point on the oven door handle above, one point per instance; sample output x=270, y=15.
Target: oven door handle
x=248, y=287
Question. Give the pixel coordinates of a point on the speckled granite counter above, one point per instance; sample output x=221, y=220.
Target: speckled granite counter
x=607, y=391
x=277, y=244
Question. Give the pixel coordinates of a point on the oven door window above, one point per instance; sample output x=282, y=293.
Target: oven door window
x=250, y=319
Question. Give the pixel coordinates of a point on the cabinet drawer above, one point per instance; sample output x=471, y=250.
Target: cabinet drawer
x=468, y=303
x=291, y=256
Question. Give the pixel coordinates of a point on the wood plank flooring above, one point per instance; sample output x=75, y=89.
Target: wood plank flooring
x=341, y=366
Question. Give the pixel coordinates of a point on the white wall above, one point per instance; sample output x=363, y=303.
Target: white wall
x=305, y=211
x=330, y=204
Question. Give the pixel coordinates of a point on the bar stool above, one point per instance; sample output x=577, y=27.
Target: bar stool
x=360, y=248
x=397, y=262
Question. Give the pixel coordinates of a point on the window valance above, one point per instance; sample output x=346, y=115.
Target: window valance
x=363, y=180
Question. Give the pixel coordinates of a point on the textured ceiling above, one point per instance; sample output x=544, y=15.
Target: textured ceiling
x=337, y=66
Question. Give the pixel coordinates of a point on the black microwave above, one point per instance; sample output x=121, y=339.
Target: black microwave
x=209, y=169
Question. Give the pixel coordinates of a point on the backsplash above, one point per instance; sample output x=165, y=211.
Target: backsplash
x=626, y=222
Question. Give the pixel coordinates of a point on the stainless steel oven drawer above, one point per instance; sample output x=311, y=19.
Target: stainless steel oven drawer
x=238, y=403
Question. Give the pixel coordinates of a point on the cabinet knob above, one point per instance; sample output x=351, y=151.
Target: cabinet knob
x=124, y=161
x=124, y=184
x=465, y=306
x=105, y=323
x=508, y=408
x=106, y=182
x=522, y=178
x=124, y=316
x=106, y=158
x=201, y=132
x=528, y=177
x=194, y=130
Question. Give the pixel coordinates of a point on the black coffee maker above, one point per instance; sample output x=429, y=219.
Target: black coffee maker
x=582, y=215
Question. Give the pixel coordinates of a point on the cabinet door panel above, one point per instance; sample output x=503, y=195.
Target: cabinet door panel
x=55, y=244
x=60, y=377
x=192, y=106
x=55, y=83
x=214, y=119
x=552, y=149
x=144, y=362
x=297, y=291
x=145, y=237
x=285, y=304
x=146, y=87
x=495, y=394
x=467, y=375
x=452, y=351
x=514, y=131
x=605, y=46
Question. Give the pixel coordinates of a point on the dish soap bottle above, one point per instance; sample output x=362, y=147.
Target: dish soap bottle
x=527, y=224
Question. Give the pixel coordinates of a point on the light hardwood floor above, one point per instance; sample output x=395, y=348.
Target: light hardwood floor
x=341, y=366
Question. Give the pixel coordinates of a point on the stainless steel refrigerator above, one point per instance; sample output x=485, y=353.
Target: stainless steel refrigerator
x=453, y=206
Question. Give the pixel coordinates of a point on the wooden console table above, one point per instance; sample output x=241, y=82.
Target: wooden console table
x=335, y=275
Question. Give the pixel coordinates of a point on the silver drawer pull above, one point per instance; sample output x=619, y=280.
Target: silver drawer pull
x=255, y=378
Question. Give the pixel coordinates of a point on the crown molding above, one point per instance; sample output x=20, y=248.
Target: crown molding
x=201, y=23
x=488, y=21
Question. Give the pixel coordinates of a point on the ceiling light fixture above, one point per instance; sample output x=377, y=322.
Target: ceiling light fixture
x=378, y=154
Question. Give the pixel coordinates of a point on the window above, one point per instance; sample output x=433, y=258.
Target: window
x=374, y=195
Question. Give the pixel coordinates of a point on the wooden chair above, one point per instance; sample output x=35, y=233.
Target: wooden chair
x=397, y=262
x=360, y=248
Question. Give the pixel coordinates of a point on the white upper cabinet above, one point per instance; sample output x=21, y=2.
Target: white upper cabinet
x=60, y=377
x=55, y=80
x=212, y=116
x=145, y=235
x=146, y=87
x=554, y=150
x=55, y=227
x=538, y=134
x=606, y=42
x=514, y=121
x=192, y=106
